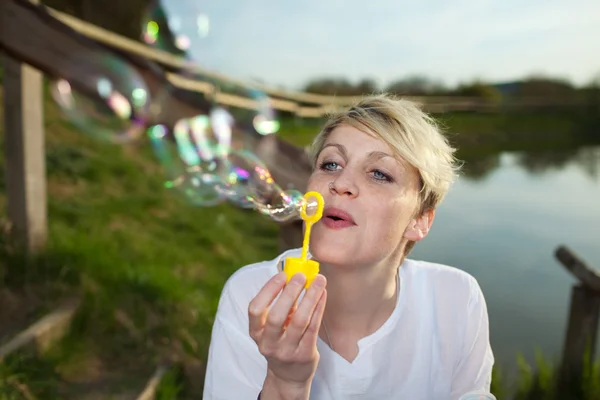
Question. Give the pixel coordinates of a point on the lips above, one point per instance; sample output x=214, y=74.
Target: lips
x=336, y=218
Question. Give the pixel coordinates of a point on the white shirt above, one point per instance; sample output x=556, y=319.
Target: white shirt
x=435, y=345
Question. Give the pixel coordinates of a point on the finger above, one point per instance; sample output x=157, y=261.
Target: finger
x=290, y=315
x=309, y=339
x=280, y=310
x=259, y=306
x=302, y=317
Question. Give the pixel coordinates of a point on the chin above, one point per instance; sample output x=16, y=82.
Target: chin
x=330, y=253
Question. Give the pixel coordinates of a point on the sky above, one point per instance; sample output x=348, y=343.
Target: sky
x=287, y=43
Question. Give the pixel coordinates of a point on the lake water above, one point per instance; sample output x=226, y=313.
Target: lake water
x=502, y=222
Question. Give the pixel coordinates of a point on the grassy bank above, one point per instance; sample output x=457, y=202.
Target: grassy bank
x=148, y=267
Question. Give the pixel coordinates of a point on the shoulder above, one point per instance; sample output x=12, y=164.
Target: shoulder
x=435, y=271
x=441, y=282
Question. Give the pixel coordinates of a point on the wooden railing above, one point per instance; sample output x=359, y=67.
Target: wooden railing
x=32, y=37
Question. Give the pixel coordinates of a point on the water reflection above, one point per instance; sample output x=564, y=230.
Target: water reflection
x=480, y=168
x=538, y=162
x=587, y=160
x=502, y=222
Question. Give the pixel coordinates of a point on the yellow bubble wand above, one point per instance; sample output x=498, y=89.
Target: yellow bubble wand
x=310, y=268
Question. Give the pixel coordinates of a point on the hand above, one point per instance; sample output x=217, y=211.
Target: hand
x=286, y=332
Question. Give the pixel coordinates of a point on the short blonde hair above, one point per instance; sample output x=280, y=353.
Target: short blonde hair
x=412, y=134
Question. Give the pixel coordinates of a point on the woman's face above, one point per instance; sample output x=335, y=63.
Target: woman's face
x=370, y=213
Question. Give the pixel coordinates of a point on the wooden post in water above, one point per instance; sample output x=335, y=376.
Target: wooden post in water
x=584, y=314
x=25, y=167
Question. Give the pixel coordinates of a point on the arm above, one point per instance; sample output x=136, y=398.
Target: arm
x=274, y=389
x=236, y=370
x=474, y=369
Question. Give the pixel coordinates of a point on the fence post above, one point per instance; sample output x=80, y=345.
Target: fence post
x=584, y=315
x=25, y=165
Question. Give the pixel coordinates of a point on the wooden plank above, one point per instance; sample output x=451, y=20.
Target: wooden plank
x=580, y=340
x=45, y=331
x=24, y=150
x=586, y=274
x=149, y=392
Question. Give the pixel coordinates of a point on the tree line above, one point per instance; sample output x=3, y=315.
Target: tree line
x=529, y=87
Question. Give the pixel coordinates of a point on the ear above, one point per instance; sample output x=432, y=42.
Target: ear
x=419, y=226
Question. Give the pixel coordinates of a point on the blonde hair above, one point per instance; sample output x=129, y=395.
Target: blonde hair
x=412, y=134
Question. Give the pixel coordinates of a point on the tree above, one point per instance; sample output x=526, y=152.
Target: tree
x=340, y=87
x=540, y=86
x=416, y=85
x=479, y=89
x=366, y=86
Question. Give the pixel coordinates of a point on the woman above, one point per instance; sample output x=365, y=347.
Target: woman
x=373, y=324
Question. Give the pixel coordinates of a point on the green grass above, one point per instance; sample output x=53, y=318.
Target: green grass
x=539, y=382
x=137, y=252
x=122, y=241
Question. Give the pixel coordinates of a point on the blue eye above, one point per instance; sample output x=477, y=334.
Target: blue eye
x=329, y=166
x=380, y=176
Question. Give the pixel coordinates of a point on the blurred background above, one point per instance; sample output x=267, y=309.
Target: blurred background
x=145, y=266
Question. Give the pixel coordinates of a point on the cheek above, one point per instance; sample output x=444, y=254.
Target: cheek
x=316, y=183
x=394, y=218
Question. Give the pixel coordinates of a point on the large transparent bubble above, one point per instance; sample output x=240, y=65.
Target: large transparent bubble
x=201, y=165
x=112, y=105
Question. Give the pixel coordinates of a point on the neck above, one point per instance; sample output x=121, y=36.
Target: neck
x=360, y=300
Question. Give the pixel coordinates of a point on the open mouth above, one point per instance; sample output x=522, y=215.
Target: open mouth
x=336, y=218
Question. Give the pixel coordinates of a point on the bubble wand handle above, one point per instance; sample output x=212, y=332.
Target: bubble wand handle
x=306, y=240
x=310, y=268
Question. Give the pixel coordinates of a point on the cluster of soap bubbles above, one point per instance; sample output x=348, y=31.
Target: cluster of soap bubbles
x=205, y=157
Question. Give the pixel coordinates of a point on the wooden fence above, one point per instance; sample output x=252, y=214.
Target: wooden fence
x=584, y=314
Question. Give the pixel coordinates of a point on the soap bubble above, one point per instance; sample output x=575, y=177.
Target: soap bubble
x=200, y=166
x=178, y=29
x=188, y=156
x=111, y=106
x=183, y=29
x=251, y=106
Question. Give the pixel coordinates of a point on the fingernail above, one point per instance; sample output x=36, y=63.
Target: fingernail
x=299, y=278
x=319, y=282
x=280, y=278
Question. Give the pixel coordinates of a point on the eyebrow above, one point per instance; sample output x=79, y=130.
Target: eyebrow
x=341, y=149
x=378, y=155
x=375, y=155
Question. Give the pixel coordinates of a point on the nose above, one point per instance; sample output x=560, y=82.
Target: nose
x=345, y=184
